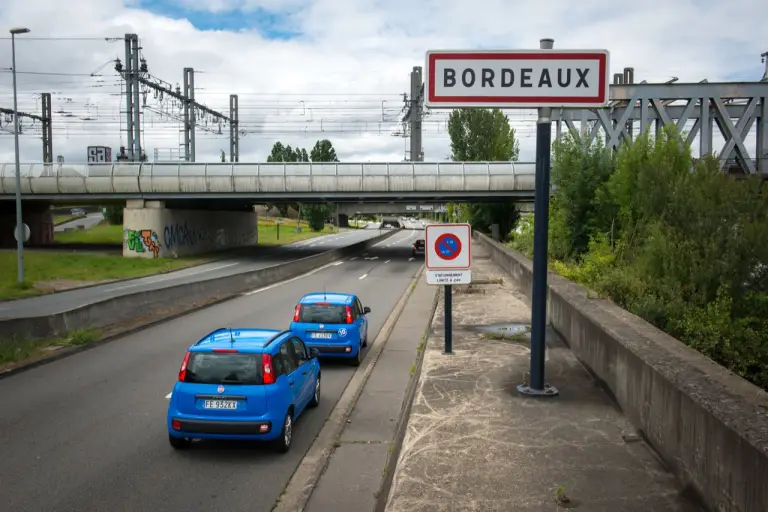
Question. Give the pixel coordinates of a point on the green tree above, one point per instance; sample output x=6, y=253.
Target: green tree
x=323, y=152
x=485, y=135
x=281, y=153
x=316, y=214
x=114, y=214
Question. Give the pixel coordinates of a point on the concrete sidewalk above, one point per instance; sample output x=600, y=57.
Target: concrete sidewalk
x=356, y=471
x=473, y=443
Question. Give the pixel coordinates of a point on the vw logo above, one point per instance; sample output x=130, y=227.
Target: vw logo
x=321, y=326
x=221, y=389
x=342, y=332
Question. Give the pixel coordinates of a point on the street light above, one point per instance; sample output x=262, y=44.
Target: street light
x=19, y=223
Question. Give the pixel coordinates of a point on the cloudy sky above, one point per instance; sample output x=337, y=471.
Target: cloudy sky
x=336, y=69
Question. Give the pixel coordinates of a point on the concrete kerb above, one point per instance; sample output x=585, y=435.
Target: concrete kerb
x=126, y=307
x=708, y=425
x=382, y=496
x=297, y=493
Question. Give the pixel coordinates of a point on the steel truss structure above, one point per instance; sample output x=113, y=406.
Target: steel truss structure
x=45, y=121
x=734, y=107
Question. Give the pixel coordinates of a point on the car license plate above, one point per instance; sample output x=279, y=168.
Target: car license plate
x=323, y=335
x=220, y=404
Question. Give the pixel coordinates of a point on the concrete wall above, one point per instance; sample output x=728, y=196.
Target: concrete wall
x=708, y=425
x=152, y=231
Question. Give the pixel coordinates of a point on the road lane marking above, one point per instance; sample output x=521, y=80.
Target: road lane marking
x=302, y=276
x=387, y=261
x=411, y=259
x=338, y=263
x=354, y=258
x=363, y=276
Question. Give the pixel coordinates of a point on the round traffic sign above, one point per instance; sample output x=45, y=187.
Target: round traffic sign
x=26, y=232
x=448, y=246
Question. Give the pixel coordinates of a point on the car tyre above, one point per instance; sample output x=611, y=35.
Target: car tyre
x=179, y=443
x=316, y=397
x=283, y=443
x=365, y=341
x=355, y=361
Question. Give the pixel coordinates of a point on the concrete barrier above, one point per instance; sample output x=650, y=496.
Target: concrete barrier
x=136, y=305
x=708, y=425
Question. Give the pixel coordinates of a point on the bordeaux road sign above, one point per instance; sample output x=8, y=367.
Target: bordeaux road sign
x=517, y=79
x=447, y=246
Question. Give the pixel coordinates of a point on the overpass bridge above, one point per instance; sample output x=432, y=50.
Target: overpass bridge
x=273, y=182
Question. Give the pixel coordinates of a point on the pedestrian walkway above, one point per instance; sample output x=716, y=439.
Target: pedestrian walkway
x=474, y=444
x=356, y=471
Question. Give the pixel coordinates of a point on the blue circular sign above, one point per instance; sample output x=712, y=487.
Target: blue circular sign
x=448, y=246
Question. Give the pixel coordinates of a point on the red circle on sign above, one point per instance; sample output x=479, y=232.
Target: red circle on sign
x=450, y=242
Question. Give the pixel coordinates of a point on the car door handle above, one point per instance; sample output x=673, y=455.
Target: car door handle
x=290, y=383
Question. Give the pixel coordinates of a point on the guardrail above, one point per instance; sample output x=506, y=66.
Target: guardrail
x=125, y=179
x=128, y=307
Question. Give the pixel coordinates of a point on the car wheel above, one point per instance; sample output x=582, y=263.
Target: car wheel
x=365, y=341
x=283, y=443
x=179, y=443
x=355, y=361
x=316, y=397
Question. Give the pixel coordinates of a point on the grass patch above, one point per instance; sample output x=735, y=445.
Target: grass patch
x=20, y=349
x=63, y=219
x=48, y=266
x=106, y=234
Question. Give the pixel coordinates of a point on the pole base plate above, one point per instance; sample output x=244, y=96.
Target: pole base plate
x=527, y=390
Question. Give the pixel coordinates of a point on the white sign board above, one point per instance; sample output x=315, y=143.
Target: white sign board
x=517, y=79
x=448, y=246
x=99, y=154
x=410, y=208
x=426, y=207
x=449, y=277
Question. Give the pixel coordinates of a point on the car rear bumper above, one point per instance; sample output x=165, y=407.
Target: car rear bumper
x=335, y=349
x=218, y=428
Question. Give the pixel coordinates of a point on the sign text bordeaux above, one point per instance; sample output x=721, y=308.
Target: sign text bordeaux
x=517, y=79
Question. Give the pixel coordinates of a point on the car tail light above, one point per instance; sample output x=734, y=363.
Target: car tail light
x=297, y=313
x=183, y=369
x=267, y=370
x=224, y=351
x=175, y=424
x=349, y=314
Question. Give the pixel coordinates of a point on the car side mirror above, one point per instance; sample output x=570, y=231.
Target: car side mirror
x=313, y=353
x=366, y=310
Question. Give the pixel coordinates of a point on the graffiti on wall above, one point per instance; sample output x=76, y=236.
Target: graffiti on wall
x=182, y=235
x=142, y=240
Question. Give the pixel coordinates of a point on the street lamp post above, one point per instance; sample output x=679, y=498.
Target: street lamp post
x=19, y=222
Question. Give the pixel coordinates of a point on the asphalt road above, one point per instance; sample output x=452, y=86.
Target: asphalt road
x=259, y=257
x=88, y=432
x=89, y=221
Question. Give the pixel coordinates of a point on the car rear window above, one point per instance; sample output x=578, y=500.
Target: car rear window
x=212, y=368
x=323, y=314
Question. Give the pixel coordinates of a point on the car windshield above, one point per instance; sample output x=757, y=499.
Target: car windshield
x=323, y=314
x=212, y=368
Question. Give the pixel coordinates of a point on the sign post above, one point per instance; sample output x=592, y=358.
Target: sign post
x=448, y=250
x=543, y=79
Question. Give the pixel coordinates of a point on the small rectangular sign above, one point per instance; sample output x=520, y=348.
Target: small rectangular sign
x=449, y=277
x=517, y=79
x=410, y=208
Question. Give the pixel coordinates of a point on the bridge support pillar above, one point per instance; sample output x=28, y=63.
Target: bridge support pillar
x=150, y=230
x=37, y=216
x=343, y=220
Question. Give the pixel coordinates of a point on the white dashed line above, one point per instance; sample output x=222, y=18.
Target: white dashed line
x=354, y=258
x=387, y=261
x=411, y=259
x=363, y=276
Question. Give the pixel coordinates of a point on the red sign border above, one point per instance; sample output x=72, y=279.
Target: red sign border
x=601, y=57
x=446, y=235
x=469, y=246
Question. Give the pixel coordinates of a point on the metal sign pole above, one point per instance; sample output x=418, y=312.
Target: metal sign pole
x=448, y=319
x=537, y=386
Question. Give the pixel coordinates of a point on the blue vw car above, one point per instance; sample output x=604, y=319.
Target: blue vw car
x=244, y=384
x=335, y=324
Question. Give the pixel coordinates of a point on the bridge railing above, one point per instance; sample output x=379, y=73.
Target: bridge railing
x=194, y=169
x=267, y=178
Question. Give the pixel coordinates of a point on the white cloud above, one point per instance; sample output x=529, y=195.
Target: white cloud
x=351, y=59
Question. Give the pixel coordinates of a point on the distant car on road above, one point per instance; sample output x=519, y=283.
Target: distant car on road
x=78, y=212
x=243, y=384
x=335, y=324
x=419, y=247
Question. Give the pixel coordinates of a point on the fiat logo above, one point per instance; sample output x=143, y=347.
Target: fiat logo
x=221, y=389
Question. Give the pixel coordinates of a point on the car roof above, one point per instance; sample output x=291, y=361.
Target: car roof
x=247, y=340
x=331, y=297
